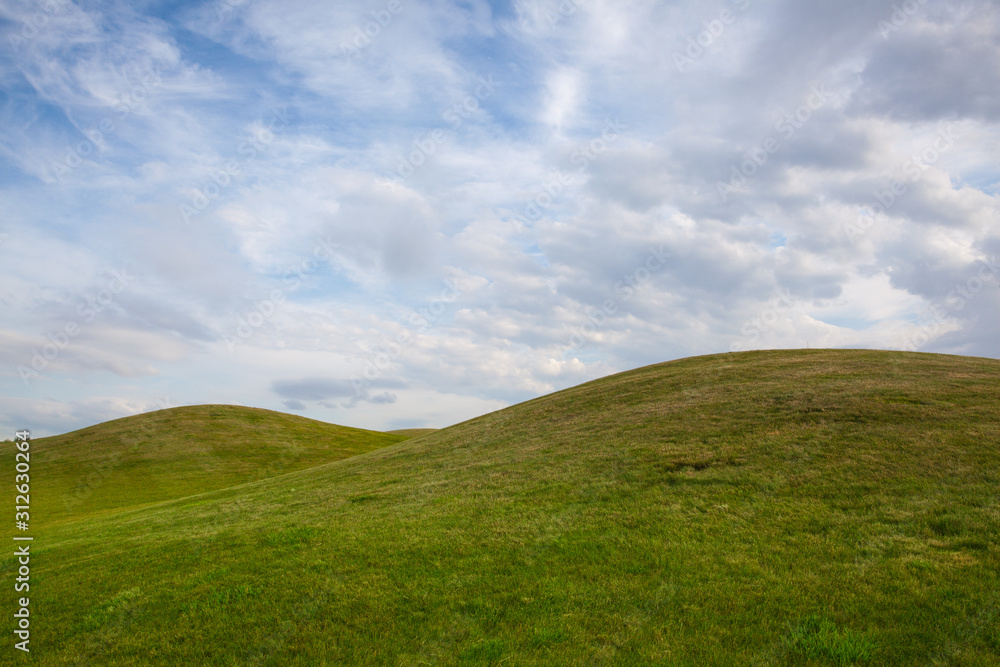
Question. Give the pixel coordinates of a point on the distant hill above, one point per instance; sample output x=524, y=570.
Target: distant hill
x=806, y=507
x=178, y=452
x=412, y=432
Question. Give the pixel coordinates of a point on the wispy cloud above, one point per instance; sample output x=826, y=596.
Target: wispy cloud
x=820, y=174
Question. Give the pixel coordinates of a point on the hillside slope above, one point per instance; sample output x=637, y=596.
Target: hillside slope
x=819, y=507
x=177, y=452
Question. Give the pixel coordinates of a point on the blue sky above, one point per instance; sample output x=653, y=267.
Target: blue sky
x=393, y=214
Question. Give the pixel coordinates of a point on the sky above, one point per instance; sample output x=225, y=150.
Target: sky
x=403, y=213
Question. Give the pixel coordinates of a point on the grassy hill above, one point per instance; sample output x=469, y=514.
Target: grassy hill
x=763, y=508
x=178, y=452
x=413, y=432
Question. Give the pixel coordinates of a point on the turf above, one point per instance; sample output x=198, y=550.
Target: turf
x=178, y=452
x=413, y=432
x=763, y=508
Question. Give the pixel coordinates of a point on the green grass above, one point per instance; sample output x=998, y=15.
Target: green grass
x=179, y=452
x=764, y=508
x=413, y=432
x=816, y=638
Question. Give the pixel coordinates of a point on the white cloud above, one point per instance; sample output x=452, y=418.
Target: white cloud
x=564, y=90
x=337, y=190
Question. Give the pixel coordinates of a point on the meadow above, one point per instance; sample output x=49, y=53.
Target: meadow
x=804, y=507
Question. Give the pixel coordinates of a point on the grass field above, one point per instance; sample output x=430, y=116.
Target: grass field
x=812, y=507
x=178, y=452
x=412, y=432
